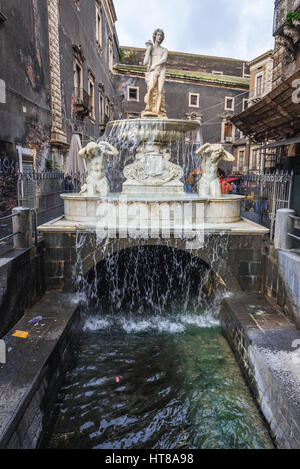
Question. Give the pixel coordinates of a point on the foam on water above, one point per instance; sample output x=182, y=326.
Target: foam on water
x=172, y=325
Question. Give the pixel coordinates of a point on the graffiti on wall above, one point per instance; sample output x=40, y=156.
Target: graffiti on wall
x=7, y=165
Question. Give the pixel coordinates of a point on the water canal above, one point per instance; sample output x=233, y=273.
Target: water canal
x=152, y=368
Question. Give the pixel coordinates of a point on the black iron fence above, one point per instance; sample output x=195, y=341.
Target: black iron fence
x=41, y=192
x=265, y=194
x=6, y=230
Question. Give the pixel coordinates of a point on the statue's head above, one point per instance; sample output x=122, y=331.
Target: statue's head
x=160, y=33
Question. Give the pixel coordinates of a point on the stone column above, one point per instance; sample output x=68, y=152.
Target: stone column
x=284, y=225
x=22, y=227
x=58, y=136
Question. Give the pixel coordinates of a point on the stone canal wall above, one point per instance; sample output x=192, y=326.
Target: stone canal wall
x=283, y=281
x=264, y=342
x=31, y=376
x=22, y=282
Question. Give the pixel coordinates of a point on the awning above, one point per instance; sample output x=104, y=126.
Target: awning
x=276, y=116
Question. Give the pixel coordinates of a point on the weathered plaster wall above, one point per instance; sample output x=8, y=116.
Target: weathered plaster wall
x=25, y=107
x=25, y=114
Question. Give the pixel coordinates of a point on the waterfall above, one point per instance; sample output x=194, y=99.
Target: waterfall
x=149, y=286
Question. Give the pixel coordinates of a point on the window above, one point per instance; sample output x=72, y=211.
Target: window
x=78, y=80
x=91, y=84
x=110, y=55
x=101, y=106
x=193, y=137
x=255, y=160
x=259, y=85
x=229, y=104
x=194, y=100
x=228, y=131
x=111, y=112
x=133, y=93
x=107, y=108
x=245, y=104
x=99, y=28
x=241, y=159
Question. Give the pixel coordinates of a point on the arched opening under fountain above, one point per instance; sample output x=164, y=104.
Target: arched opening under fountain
x=145, y=281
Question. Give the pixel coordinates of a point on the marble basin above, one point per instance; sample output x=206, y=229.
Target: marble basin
x=119, y=210
x=154, y=130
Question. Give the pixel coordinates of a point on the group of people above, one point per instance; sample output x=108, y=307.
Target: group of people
x=195, y=176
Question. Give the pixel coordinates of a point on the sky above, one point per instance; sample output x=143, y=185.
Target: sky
x=240, y=29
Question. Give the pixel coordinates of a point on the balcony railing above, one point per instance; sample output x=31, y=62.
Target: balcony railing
x=81, y=97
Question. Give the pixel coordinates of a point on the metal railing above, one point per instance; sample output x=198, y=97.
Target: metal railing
x=265, y=194
x=6, y=238
x=41, y=192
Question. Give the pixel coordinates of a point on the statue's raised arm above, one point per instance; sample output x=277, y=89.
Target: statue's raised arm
x=147, y=59
x=156, y=60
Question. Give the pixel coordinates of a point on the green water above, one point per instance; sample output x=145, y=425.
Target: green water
x=166, y=385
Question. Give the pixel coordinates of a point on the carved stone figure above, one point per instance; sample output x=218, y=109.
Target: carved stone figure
x=155, y=59
x=211, y=155
x=152, y=166
x=94, y=154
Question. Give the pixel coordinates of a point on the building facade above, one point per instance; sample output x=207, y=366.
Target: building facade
x=287, y=39
x=272, y=123
x=57, y=81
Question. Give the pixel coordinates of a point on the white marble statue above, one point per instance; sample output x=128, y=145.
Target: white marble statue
x=211, y=155
x=94, y=154
x=155, y=60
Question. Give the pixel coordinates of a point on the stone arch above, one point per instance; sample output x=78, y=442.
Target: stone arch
x=220, y=268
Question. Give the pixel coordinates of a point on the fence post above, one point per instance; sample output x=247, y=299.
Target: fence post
x=284, y=225
x=22, y=228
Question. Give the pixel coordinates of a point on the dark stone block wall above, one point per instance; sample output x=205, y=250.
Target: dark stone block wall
x=22, y=281
x=238, y=260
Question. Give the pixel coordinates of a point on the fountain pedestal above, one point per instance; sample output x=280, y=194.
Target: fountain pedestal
x=152, y=174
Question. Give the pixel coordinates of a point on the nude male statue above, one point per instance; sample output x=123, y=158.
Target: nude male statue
x=94, y=154
x=155, y=59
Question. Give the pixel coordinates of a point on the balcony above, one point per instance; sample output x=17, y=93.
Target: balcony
x=81, y=102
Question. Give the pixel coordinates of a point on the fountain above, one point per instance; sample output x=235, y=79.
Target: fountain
x=153, y=189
